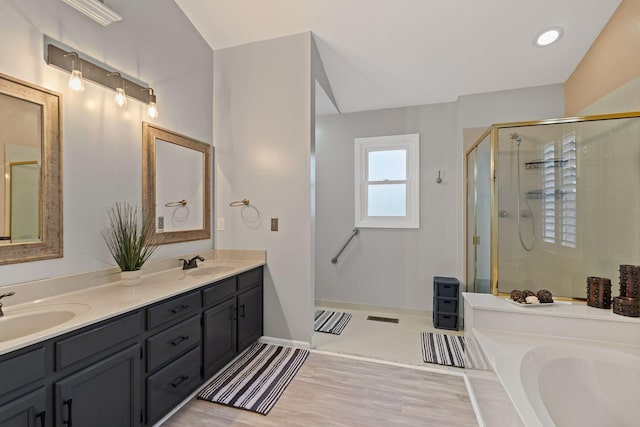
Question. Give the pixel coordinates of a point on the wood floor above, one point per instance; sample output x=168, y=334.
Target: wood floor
x=336, y=391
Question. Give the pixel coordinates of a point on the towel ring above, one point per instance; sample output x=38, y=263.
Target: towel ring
x=182, y=202
x=243, y=202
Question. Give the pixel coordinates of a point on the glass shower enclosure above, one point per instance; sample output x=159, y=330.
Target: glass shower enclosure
x=550, y=203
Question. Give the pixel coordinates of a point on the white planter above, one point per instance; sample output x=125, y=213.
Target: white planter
x=130, y=278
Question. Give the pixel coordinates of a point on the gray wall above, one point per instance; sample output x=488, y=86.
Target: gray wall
x=262, y=134
x=395, y=268
x=102, y=144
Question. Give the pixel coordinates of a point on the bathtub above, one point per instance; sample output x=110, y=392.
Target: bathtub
x=552, y=381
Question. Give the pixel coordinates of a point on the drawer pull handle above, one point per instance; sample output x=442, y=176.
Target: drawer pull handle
x=179, y=308
x=42, y=416
x=179, y=340
x=69, y=420
x=176, y=383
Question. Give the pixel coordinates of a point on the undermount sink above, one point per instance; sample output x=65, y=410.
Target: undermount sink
x=210, y=270
x=26, y=321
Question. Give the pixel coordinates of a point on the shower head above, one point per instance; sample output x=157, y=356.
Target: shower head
x=516, y=138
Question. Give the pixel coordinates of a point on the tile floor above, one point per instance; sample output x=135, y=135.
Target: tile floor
x=391, y=342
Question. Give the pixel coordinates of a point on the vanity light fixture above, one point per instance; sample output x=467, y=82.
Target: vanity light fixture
x=125, y=88
x=96, y=10
x=121, y=96
x=76, y=82
x=548, y=37
x=152, y=108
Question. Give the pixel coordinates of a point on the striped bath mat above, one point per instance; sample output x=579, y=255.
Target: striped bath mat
x=443, y=349
x=257, y=379
x=331, y=322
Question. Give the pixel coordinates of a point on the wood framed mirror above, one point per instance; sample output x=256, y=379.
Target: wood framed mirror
x=31, y=166
x=176, y=184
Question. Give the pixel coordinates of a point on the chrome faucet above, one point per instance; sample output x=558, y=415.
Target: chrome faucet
x=192, y=263
x=10, y=294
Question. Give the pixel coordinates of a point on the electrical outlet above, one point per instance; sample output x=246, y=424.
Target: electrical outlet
x=274, y=224
x=160, y=223
x=220, y=223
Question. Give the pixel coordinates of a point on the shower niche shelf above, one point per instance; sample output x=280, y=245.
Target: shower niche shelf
x=542, y=194
x=539, y=164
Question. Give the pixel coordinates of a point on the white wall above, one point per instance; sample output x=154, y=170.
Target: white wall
x=102, y=145
x=624, y=99
x=386, y=267
x=262, y=134
x=396, y=267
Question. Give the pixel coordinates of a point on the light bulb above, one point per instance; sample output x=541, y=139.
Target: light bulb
x=152, y=110
x=120, y=98
x=76, y=82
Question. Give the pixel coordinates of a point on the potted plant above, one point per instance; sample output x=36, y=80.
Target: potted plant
x=131, y=240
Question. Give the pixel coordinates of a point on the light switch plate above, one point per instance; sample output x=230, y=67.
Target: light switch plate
x=274, y=224
x=220, y=223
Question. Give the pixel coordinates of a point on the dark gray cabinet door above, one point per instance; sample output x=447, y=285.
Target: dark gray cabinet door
x=105, y=394
x=25, y=411
x=220, y=336
x=249, y=317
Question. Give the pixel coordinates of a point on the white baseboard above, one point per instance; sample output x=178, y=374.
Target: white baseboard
x=286, y=343
x=445, y=370
x=373, y=308
x=474, y=402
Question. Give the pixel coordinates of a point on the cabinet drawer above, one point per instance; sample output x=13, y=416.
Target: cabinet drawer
x=446, y=287
x=447, y=305
x=250, y=279
x=219, y=292
x=168, y=344
x=20, y=370
x=96, y=340
x=176, y=308
x=172, y=384
x=445, y=321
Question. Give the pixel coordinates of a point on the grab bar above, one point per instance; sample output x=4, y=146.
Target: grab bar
x=354, y=233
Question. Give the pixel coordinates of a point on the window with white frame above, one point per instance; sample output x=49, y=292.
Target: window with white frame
x=387, y=174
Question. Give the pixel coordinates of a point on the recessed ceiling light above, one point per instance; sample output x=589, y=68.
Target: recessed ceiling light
x=548, y=37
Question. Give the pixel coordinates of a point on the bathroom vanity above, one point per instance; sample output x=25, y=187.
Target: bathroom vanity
x=162, y=340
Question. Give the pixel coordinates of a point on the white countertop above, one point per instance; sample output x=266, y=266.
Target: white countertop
x=97, y=303
x=560, y=308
